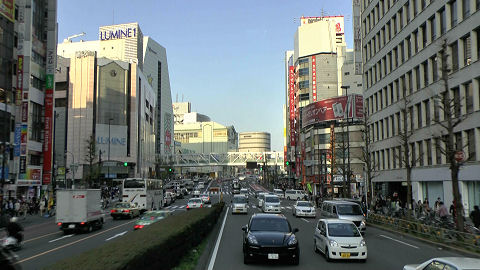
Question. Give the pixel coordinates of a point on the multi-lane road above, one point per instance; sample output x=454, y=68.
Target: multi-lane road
x=45, y=243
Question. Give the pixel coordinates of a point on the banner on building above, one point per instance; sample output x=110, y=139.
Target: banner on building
x=18, y=99
x=314, y=78
x=7, y=9
x=338, y=20
x=291, y=102
x=333, y=108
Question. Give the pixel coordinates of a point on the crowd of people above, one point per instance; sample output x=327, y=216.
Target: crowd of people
x=21, y=207
x=108, y=195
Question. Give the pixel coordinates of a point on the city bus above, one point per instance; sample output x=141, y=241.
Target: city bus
x=146, y=193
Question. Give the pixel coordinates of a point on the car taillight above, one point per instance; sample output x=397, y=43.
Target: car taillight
x=201, y=205
x=138, y=226
x=59, y=223
x=188, y=206
x=113, y=211
x=126, y=211
x=82, y=223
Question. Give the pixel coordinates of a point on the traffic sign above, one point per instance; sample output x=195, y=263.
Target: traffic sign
x=460, y=156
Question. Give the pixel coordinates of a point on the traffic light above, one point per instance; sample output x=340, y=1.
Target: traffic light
x=125, y=164
x=288, y=163
x=169, y=169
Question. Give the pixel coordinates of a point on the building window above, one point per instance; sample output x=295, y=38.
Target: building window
x=443, y=21
x=453, y=13
x=419, y=115
x=438, y=151
x=302, y=61
x=400, y=160
x=36, y=127
x=436, y=111
x=454, y=48
x=407, y=12
x=417, y=77
x=426, y=105
x=420, y=153
x=415, y=42
x=414, y=4
x=466, y=8
x=467, y=52
x=37, y=83
x=425, y=73
x=429, y=152
x=456, y=102
x=472, y=156
x=304, y=84
x=424, y=35
x=35, y=160
x=394, y=158
x=458, y=141
x=413, y=155
x=304, y=72
x=469, y=96
x=433, y=28
x=412, y=122
x=387, y=127
x=388, y=159
x=434, y=68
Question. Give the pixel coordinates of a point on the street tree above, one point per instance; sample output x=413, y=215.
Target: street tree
x=90, y=157
x=369, y=163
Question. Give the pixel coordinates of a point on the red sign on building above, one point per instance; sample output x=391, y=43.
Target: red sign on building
x=314, y=78
x=291, y=103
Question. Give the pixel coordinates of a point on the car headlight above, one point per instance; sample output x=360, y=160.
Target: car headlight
x=333, y=243
x=362, y=243
x=292, y=241
x=252, y=239
x=363, y=223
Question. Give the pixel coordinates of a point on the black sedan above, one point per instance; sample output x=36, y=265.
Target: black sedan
x=270, y=237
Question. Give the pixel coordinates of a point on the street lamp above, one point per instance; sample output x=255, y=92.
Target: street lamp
x=348, y=110
x=108, y=167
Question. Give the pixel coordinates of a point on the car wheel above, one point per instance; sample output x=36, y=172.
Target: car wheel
x=327, y=255
x=246, y=259
x=90, y=228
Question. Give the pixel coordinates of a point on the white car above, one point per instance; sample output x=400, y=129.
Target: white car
x=271, y=204
x=196, y=193
x=279, y=193
x=292, y=194
x=194, y=203
x=201, y=185
x=261, y=196
x=454, y=263
x=239, y=204
x=304, y=209
x=339, y=239
x=244, y=191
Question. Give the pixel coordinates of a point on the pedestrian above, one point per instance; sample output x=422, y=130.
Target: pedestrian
x=475, y=216
x=442, y=210
x=437, y=204
x=42, y=207
x=453, y=211
x=17, y=208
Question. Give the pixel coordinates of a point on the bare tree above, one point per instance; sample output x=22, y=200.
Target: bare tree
x=342, y=149
x=452, y=118
x=90, y=157
x=369, y=163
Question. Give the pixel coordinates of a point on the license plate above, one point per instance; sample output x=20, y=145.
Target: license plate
x=345, y=255
x=272, y=256
x=71, y=226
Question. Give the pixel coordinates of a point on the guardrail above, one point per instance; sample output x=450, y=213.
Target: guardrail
x=448, y=237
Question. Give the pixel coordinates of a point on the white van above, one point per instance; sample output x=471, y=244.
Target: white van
x=293, y=194
x=344, y=210
x=279, y=193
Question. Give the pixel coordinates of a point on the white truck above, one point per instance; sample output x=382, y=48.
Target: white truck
x=79, y=210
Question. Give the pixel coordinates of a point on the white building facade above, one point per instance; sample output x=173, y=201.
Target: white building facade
x=401, y=62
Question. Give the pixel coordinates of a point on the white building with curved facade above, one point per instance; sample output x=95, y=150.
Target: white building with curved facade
x=254, y=142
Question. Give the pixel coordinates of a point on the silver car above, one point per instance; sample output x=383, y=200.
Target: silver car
x=304, y=209
x=239, y=204
x=194, y=203
x=271, y=204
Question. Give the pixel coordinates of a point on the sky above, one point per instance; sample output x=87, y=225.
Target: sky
x=225, y=57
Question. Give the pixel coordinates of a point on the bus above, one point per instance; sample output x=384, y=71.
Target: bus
x=146, y=193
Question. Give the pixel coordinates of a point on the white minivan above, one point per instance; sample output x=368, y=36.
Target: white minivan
x=293, y=194
x=279, y=193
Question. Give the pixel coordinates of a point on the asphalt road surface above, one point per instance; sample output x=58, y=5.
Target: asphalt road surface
x=385, y=250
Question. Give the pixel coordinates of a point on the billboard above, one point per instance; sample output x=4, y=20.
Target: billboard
x=338, y=20
x=117, y=138
x=333, y=108
x=7, y=9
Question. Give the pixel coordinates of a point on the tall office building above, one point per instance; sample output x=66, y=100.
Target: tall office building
x=29, y=34
x=119, y=93
x=402, y=41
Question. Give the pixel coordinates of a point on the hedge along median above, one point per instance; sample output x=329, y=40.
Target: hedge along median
x=158, y=246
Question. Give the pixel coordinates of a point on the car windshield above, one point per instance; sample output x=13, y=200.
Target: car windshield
x=349, y=209
x=133, y=183
x=122, y=205
x=343, y=230
x=239, y=200
x=270, y=224
x=195, y=201
x=272, y=200
x=304, y=204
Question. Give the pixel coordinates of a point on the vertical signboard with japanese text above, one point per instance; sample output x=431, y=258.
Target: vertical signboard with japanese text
x=291, y=103
x=314, y=78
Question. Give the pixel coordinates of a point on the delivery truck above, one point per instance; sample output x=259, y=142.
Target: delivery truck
x=79, y=210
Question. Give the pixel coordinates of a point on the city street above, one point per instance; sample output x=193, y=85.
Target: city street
x=385, y=250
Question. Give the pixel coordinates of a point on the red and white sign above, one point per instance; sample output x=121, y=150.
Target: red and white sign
x=314, y=78
x=333, y=108
x=460, y=156
x=48, y=131
x=338, y=20
x=291, y=102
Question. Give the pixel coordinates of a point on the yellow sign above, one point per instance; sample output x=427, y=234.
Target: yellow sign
x=7, y=9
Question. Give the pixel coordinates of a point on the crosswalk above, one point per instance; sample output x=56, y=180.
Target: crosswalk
x=173, y=207
x=255, y=206
x=224, y=193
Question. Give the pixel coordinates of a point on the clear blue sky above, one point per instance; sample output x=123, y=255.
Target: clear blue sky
x=225, y=57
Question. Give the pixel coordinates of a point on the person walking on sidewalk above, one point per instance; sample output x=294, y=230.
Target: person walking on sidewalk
x=475, y=216
x=17, y=208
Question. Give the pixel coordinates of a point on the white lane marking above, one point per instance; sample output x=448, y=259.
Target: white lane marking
x=116, y=235
x=168, y=207
x=175, y=206
x=305, y=220
x=63, y=237
x=28, y=240
x=254, y=206
x=217, y=244
x=401, y=242
x=183, y=206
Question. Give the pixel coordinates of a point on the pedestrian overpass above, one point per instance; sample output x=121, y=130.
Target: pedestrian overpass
x=233, y=159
